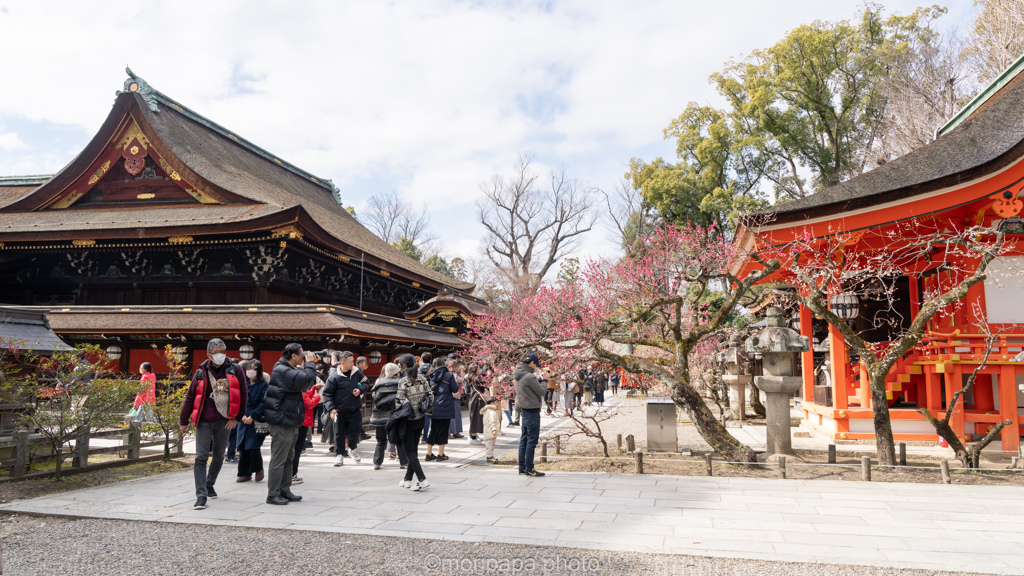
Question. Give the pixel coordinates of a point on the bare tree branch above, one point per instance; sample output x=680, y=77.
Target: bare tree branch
x=529, y=229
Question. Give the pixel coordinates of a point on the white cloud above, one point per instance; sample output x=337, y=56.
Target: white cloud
x=9, y=142
x=427, y=97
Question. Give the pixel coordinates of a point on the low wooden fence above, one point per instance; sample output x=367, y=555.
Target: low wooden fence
x=20, y=451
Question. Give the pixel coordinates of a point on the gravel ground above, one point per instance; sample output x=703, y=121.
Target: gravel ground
x=47, y=546
x=631, y=418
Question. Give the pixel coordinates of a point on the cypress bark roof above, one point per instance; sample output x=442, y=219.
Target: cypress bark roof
x=214, y=319
x=27, y=331
x=986, y=141
x=252, y=184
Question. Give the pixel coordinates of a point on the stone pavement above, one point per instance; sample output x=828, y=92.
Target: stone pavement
x=960, y=528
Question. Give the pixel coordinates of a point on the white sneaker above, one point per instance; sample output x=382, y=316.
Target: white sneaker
x=420, y=486
x=405, y=484
x=339, y=460
x=354, y=455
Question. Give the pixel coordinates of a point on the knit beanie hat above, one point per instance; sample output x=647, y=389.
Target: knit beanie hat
x=391, y=370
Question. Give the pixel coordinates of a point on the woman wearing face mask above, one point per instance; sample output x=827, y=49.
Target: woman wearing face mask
x=250, y=440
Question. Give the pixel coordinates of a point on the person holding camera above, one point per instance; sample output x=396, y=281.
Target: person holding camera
x=285, y=411
x=343, y=401
x=530, y=393
x=311, y=398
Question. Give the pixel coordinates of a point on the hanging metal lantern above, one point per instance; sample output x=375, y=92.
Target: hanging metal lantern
x=246, y=351
x=846, y=306
x=114, y=352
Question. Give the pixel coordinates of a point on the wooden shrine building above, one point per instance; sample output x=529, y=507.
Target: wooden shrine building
x=971, y=174
x=171, y=229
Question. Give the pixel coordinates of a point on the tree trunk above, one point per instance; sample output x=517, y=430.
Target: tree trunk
x=58, y=465
x=946, y=432
x=755, y=400
x=884, y=442
x=710, y=429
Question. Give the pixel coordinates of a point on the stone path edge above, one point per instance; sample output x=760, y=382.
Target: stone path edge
x=729, y=554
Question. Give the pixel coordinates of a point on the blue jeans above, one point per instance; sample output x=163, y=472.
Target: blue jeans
x=528, y=441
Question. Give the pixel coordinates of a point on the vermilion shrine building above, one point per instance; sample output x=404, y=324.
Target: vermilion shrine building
x=171, y=229
x=972, y=173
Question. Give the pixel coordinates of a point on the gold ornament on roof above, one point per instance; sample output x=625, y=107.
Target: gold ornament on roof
x=289, y=231
x=133, y=133
x=170, y=171
x=180, y=239
x=83, y=242
x=99, y=173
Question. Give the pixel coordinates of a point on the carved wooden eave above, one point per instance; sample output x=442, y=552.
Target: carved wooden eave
x=206, y=181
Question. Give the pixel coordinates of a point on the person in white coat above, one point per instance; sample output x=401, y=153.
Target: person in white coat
x=492, y=426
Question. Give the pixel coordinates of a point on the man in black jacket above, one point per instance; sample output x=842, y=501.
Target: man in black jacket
x=285, y=412
x=343, y=401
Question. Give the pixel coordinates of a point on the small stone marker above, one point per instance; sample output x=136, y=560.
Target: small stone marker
x=782, y=467
x=831, y=453
x=903, y=453
x=639, y=462
x=865, y=465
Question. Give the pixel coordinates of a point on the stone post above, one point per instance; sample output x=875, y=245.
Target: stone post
x=81, y=454
x=134, y=439
x=21, y=454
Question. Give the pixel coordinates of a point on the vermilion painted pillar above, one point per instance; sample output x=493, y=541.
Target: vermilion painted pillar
x=915, y=296
x=837, y=355
x=932, y=389
x=807, y=358
x=984, y=399
x=1010, y=435
x=864, y=392
x=954, y=382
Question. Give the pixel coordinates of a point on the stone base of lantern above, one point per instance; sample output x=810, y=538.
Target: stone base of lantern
x=778, y=390
x=737, y=395
x=773, y=458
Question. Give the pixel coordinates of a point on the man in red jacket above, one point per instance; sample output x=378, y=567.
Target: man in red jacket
x=214, y=403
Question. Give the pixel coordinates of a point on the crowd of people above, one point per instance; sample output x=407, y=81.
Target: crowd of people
x=234, y=407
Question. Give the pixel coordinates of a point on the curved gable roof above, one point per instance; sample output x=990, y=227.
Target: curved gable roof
x=989, y=139
x=237, y=171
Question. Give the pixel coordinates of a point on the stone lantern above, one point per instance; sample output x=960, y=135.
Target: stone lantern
x=777, y=343
x=733, y=359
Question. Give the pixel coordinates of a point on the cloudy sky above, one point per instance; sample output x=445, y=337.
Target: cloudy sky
x=428, y=97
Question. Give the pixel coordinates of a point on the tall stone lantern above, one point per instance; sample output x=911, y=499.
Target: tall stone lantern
x=777, y=343
x=733, y=360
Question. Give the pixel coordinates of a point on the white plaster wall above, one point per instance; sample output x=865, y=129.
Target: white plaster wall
x=1004, y=288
